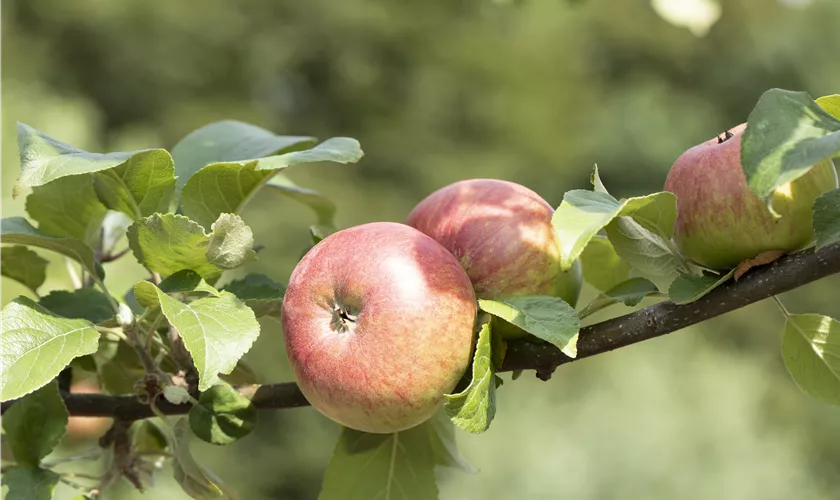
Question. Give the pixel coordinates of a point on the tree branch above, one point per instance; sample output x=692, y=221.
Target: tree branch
x=785, y=274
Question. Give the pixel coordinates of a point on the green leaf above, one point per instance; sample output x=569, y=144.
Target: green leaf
x=226, y=187
x=139, y=187
x=498, y=346
x=44, y=159
x=37, y=345
x=217, y=331
x=686, y=289
x=68, y=207
x=184, y=282
x=29, y=483
x=195, y=480
x=830, y=104
x=811, y=350
x=444, y=446
x=222, y=415
x=629, y=292
x=86, y=303
x=229, y=140
x=645, y=251
x=221, y=188
x=148, y=437
x=260, y=293
x=787, y=133
x=547, y=318
x=85, y=363
x=583, y=213
x=17, y=230
x=602, y=267
x=35, y=425
x=168, y=243
x=323, y=207
x=473, y=408
x=397, y=466
x=826, y=218
x=337, y=150
x=242, y=374
x=231, y=242
x=24, y=266
x=119, y=367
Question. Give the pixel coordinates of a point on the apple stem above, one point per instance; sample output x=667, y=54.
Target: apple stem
x=782, y=307
x=726, y=136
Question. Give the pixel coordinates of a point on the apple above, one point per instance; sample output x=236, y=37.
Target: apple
x=502, y=235
x=721, y=222
x=378, y=321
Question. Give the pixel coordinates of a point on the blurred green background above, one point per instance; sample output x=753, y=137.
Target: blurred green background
x=533, y=91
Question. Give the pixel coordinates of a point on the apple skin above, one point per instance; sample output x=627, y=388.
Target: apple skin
x=502, y=235
x=378, y=322
x=721, y=222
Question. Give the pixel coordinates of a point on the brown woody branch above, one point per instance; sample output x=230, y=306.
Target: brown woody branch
x=787, y=273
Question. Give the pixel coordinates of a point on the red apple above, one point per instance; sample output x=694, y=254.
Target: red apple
x=502, y=235
x=721, y=222
x=378, y=322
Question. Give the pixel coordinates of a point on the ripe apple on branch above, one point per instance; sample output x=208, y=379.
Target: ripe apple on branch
x=384, y=321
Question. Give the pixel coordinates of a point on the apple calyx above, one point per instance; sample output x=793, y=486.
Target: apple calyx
x=344, y=318
x=726, y=136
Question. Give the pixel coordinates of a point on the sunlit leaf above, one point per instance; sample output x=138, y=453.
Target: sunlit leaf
x=645, y=251
x=226, y=187
x=44, y=159
x=217, y=331
x=831, y=104
x=473, y=408
x=37, y=345
x=68, y=207
x=231, y=242
x=229, y=140
x=222, y=415
x=547, y=318
x=168, y=243
x=602, y=267
x=787, y=133
x=142, y=185
x=582, y=214
x=811, y=350
x=826, y=218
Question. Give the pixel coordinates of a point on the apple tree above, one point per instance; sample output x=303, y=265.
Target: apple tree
x=396, y=331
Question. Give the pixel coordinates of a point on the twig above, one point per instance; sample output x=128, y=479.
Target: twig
x=787, y=273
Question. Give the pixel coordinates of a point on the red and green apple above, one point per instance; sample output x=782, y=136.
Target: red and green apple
x=378, y=322
x=721, y=222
